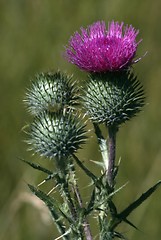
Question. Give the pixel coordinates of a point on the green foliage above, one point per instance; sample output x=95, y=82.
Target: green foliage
x=70, y=216
x=53, y=207
x=38, y=167
x=126, y=212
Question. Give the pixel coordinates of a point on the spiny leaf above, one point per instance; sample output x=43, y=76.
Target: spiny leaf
x=88, y=172
x=44, y=197
x=37, y=166
x=139, y=201
x=112, y=207
x=68, y=218
x=131, y=224
x=53, y=207
x=91, y=204
x=119, y=235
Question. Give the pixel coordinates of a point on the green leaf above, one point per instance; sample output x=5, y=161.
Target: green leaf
x=50, y=202
x=53, y=207
x=123, y=215
x=88, y=172
x=91, y=204
x=131, y=224
x=37, y=167
x=100, y=164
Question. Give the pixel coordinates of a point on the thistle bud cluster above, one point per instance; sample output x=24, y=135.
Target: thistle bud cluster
x=57, y=130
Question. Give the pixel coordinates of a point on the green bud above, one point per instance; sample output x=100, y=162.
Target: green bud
x=51, y=92
x=113, y=97
x=57, y=135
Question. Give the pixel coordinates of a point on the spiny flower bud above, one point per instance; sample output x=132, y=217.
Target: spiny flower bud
x=113, y=97
x=52, y=92
x=57, y=135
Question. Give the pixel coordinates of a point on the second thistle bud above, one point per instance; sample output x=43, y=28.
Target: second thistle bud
x=55, y=135
x=51, y=92
x=113, y=97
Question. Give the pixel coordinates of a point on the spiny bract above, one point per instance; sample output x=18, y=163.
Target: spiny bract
x=113, y=98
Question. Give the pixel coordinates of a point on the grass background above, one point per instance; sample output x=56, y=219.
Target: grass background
x=32, y=36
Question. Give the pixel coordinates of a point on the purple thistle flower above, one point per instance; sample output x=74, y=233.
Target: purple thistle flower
x=98, y=49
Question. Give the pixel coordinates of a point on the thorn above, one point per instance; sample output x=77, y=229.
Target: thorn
x=119, y=161
x=41, y=183
x=138, y=59
x=62, y=235
x=51, y=190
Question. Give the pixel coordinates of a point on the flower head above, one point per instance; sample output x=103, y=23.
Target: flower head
x=98, y=49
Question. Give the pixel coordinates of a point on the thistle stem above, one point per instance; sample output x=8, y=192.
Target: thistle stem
x=87, y=231
x=102, y=142
x=86, y=226
x=66, y=195
x=107, y=151
x=111, y=155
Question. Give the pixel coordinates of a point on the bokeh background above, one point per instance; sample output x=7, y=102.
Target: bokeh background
x=32, y=36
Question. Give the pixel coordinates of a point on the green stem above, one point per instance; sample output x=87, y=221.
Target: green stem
x=87, y=231
x=86, y=227
x=107, y=151
x=62, y=179
x=102, y=142
x=111, y=155
x=67, y=197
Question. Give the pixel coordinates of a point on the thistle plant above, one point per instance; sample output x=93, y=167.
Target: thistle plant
x=61, y=107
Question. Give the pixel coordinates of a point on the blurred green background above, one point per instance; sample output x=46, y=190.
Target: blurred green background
x=32, y=36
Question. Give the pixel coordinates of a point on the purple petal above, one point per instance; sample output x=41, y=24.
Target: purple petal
x=97, y=49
